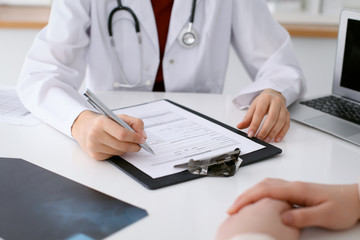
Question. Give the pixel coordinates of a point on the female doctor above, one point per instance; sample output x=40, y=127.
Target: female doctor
x=143, y=45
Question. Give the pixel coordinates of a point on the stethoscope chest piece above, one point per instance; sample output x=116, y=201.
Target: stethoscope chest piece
x=188, y=37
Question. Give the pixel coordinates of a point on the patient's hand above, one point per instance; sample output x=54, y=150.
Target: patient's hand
x=263, y=217
x=334, y=207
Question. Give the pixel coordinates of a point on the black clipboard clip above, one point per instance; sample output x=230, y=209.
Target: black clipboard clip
x=224, y=165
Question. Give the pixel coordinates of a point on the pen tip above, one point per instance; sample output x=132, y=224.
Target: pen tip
x=147, y=148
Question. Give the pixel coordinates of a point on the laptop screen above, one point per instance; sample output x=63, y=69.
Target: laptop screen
x=350, y=77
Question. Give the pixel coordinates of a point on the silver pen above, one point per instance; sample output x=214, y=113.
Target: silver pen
x=96, y=103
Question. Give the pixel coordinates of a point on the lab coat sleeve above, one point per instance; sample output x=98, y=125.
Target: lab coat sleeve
x=265, y=49
x=55, y=66
x=252, y=236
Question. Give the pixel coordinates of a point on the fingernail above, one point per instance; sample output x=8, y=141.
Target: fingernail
x=234, y=207
x=278, y=139
x=287, y=218
x=230, y=210
x=267, y=139
x=142, y=140
x=251, y=134
x=144, y=134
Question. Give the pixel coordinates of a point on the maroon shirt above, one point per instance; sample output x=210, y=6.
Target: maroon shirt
x=162, y=11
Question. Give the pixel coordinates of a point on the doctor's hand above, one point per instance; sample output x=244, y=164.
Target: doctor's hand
x=101, y=138
x=334, y=207
x=262, y=217
x=277, y=123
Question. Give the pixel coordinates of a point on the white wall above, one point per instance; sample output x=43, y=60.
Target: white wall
x=14, y=45
x=27, y=2
x=316, y=57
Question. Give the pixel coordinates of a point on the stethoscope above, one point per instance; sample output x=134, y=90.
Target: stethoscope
x=187, y=38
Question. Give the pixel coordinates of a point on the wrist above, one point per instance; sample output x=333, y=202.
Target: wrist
x=274, y=93
x=79, y=122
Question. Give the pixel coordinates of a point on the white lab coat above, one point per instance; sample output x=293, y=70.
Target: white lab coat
x=76, y=40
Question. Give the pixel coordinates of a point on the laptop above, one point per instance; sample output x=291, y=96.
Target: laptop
x=338, y=113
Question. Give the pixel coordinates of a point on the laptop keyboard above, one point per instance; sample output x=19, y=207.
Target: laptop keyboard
x=335, y=106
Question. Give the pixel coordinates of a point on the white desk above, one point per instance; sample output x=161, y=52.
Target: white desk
x=191, y=210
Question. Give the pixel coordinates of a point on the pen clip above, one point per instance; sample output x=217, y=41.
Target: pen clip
x=94, y=105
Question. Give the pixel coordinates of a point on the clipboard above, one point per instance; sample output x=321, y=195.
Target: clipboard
x=156, y=183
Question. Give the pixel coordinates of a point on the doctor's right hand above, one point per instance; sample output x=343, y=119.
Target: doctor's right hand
x=101, y=138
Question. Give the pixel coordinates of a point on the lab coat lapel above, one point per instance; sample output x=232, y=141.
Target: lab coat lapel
x=180, y=16
x=145, y=14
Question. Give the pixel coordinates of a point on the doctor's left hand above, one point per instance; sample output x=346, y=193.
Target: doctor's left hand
x=277, y=122
x=101, y=138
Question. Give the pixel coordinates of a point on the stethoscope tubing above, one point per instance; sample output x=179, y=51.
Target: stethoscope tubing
x=130, y=11
x=188, y=31
x=193, y=8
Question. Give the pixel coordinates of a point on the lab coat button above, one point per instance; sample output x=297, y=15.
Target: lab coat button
x=148, y=83
x=172, y=61
x=147, y=68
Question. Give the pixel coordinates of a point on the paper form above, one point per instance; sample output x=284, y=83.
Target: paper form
x=177, y=135
x=12, y=110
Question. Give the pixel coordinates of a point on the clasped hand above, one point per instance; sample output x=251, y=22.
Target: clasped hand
x=335, y=207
